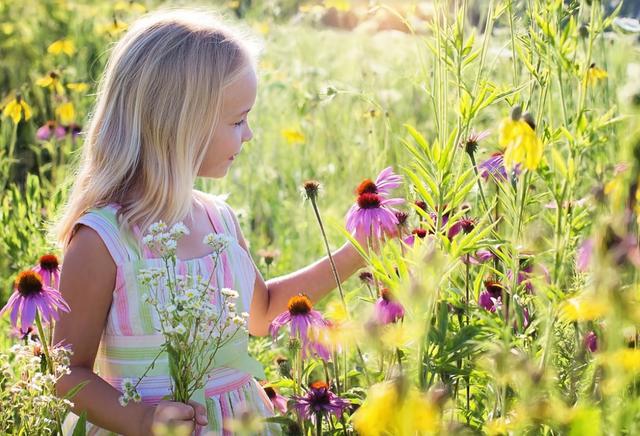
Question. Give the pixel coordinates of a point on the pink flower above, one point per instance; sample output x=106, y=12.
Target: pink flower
x=419, y=233
x=491, y=298
x=385, y=182
x=481, y=256
x=584, y=255
x=301, y=317
x=464, y=225
x=372, y=216
x=387, y=308
x=49, y=269
x=48, y=129
x=319, y=401
x=591, y=341
x=279, y=402
x=30, y=294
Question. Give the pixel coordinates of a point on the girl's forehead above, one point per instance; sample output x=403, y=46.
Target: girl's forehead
x=241, y=93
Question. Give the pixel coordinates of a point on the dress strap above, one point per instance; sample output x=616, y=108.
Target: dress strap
x=104, y=221
x=219, y=215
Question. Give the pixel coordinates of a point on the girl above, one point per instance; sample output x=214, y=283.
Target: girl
x=172, y=105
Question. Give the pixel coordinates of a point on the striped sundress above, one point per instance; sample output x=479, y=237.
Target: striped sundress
x=131, y=338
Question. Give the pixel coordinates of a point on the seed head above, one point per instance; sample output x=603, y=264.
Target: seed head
x=311, y=188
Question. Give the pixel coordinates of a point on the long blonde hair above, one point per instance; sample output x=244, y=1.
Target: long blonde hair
x=157, y=107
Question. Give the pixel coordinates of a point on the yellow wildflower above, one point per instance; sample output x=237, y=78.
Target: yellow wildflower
x=129, y=6
x=16, y=108
x=521, y=144
x=261, y=27
x=7, y=28
x=62, y=46
x=113, y=28
x=594, y=75
x=293, y=136
x=78, y=87
x=626, y=359
x=51, y=81
x=583, y=309
x=385, y=412
x=66, y=113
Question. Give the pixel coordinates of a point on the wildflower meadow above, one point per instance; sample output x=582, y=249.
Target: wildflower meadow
x=483, y=157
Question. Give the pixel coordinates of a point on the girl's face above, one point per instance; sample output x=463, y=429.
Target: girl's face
x=233, y=128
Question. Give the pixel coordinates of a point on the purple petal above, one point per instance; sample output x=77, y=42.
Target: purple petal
x=28, y=314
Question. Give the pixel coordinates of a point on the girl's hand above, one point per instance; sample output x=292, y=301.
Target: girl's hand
x=179, y=416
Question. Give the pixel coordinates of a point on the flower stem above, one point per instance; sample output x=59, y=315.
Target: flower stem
x=326, y=244
x=45, y=345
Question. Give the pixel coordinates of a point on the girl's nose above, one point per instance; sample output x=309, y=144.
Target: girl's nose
x=248, y=134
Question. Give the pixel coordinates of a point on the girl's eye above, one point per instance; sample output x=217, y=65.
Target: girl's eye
x=239, y=123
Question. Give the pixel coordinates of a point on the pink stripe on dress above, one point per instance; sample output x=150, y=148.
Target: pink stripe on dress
x=122, y=305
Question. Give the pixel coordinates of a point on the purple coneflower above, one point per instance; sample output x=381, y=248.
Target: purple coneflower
x=49, y=269
x=419, y=233
x=494, y=168
x=464, y=225
x=48, y=129
x=470, y=144
x=371, y=215
x=387, y=308
x=491, y=298
x=318, y=401
x=481, y=256
x=30, y=294
x=301, y=316
x=279, y=402
x=385, y=182
x=584, y=254
x=591, y=341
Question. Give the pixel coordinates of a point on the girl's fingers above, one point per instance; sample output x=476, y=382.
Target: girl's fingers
x=200, y=412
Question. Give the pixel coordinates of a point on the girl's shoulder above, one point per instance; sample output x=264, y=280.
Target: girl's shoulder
x=221, y=208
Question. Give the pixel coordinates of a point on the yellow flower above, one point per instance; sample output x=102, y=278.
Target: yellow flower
x=15, y=109
x=583, y=309
x=7, y=28
x=261, y=27
x=129, y=7
x=113, y=28
x=62, y=46
x=384, y=412
x=293, y=136
x=594, y=75
x=66, y=113
x=78, y=87
x=522, y=146
x=51, y=81
x=626, y=359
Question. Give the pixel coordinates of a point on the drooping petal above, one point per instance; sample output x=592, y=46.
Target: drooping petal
x=28, y=314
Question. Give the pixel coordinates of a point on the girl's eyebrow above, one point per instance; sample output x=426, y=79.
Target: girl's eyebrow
x=242, y=113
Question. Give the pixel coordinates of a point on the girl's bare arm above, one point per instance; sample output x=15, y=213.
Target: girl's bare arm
x=87, y=282
x=316, y=280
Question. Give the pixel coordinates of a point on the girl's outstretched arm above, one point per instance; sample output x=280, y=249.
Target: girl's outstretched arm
x=270, y=298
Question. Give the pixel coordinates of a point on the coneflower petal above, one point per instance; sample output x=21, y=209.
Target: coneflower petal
x=28, y=314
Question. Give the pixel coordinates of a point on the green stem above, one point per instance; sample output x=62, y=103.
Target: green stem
x=334, y=270
x=45, y=344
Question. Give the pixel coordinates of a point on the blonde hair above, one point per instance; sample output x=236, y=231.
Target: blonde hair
x=158, y=103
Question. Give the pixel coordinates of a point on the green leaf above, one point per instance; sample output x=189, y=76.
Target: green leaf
x=81, y=426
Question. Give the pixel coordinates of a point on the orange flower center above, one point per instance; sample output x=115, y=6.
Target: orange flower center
x=319, y=385
x=29, y=283
x=368, y=201
x=367, y=186
x=49, y=262
x=299, y=305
